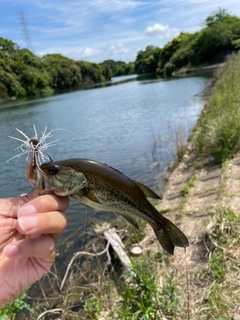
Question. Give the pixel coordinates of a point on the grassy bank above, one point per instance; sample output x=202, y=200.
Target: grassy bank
x=218, y=130
x=204, y=282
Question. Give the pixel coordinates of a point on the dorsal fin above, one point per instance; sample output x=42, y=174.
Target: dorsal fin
x=147, y=191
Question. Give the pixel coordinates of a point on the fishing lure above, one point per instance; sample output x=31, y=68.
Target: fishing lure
x=35, y=149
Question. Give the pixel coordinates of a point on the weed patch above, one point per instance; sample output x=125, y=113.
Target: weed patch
x=142, y=297
x=224, y=266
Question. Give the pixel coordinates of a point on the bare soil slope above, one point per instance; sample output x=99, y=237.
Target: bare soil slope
x=193, y=198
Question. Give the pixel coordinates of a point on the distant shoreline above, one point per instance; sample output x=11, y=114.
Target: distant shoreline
x=209, y=68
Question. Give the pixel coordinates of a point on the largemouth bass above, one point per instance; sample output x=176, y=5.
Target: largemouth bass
x=101, y=187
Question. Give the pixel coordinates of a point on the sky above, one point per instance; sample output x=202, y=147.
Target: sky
x=97, y=30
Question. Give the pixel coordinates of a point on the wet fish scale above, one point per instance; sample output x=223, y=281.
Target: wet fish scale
x=102, y=187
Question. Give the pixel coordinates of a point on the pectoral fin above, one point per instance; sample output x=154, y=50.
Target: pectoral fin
x=90, y=196
x=147, y=191
x=131, y=220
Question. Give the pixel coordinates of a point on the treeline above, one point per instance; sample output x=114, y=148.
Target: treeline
x=23, y=74
x=219, y=37
x=120, y=68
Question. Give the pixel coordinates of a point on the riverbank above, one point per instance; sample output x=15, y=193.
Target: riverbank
x=204, y=202
x=202, y=197
x=202, y=70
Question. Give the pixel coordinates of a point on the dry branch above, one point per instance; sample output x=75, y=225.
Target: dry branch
x=84, y=253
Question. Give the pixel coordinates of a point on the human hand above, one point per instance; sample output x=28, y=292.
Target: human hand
x=29, y=224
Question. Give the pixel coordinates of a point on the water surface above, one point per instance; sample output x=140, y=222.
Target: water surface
x=125, y=125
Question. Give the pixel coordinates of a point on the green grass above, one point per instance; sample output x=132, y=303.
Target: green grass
x=93, y=308
x=142, y=297
x=10, y=311
x=223, y=266
x=218, y=129
x=143, y=293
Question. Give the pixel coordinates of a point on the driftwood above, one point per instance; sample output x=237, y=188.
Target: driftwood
x=117, y=245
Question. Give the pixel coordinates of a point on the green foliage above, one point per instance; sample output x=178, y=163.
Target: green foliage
x=212, y=44
x=24, y=74
x=11, y=84
x=119, y=68
x=10, y=311
x=147, y=61
x=7, y=45
x=236, y=43
x=223, y=262
x=3, y=91
x=175, y=54
x=218, y=129
x=141, y=296
x=92, y=309
x=217, y=16
x=216, y=38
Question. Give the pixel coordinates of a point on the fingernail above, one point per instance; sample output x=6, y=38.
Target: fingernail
x=10, y=251
x=27, y=223
x=27, y=210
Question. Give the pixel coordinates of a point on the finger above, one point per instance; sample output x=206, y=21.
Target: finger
x=10, y=206
x=53, y=222
x=30, y=195
x=42, y=247
x=43, y=203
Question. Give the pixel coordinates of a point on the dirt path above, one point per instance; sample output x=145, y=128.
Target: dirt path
x=192, y=196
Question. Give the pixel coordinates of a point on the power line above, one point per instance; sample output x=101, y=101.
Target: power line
x=189, y=8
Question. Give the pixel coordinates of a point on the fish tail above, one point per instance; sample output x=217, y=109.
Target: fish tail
x=169, y=235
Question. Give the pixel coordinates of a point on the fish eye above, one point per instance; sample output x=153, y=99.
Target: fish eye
x=53, y=169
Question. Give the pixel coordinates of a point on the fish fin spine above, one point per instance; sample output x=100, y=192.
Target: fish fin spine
x=147, y=191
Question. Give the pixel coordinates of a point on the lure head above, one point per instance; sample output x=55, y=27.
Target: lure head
x=61, y=180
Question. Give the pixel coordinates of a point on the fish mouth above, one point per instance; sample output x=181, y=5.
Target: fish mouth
x=42, y=182
x=44, y=186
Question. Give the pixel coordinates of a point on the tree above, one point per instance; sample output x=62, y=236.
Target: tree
x=119, y=68
x=217, y=16
x=216, y=38
x=147, y=61
x=8, y=45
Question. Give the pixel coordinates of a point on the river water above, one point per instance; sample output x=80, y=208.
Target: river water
x=128, y=123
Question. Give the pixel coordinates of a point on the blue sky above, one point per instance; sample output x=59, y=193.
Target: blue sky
x=96, y=30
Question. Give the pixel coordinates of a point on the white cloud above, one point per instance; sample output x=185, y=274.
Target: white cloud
x=161, y=31
x=73, y=52
x=89, y=52
x=117, y=49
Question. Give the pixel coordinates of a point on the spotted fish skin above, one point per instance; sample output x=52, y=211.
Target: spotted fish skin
x=101, y=187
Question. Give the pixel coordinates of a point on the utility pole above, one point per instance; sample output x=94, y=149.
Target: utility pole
x=26, y=32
